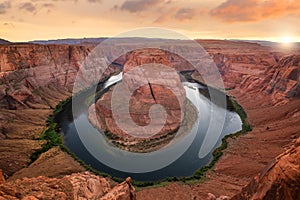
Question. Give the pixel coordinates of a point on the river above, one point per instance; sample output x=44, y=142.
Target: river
x=179, y=159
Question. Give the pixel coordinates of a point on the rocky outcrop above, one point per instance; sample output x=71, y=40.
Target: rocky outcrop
x=61, y=164
x=150, y=79
x=122, y=191
x=211, y=196
x=285, y=81
x=280, y=180
x=260, y=71
x=79, y=186
x=244, y=71
x=29, y=74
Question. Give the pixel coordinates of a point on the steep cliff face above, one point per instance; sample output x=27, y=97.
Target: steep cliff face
x=79, y=186
x=285, y=81
x=261, y=73
x=236, y=68
x=30, y=73
x=240, y=62
x=280, y=180
x=33, y=80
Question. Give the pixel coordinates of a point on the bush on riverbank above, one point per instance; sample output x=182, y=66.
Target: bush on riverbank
x=51, y=137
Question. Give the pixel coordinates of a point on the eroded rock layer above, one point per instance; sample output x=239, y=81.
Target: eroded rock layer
x=285, y=81
x=34, y=78
x=79, y=186
x=280, y=180
x=155, y=83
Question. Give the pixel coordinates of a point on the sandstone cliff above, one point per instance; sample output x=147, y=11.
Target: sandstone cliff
x=285, y=81
x=33, y=80
x=79, y=186
x=280, y=180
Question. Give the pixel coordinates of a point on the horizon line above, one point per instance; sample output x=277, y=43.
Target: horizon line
x=107, y=37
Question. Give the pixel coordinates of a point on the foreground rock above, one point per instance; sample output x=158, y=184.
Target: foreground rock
x=280, y=180
x=2, y=179
x=211, y=196
x=79, y=186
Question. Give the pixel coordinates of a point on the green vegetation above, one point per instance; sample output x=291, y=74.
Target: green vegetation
x=50, y=135
x=52, y=138
x=246, y=127
x=230, y=88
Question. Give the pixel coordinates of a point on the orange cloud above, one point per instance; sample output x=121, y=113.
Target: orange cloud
x=28, y=6
x=185, y=14
x=139, y=5
x=254, y=10
x=164, y=17
x=180, y=14
x=4, y=7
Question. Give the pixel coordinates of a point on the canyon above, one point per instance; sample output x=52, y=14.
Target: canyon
x=265, y=80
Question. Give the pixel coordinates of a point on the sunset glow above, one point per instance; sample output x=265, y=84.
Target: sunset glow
x=287, y=40
x=26, y=20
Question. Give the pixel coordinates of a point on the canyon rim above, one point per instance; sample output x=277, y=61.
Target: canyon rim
x=140, y=99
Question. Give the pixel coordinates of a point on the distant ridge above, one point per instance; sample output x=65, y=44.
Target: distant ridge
x=2, y=41
x=79, y=41
x=69, y=41
x=265, y=43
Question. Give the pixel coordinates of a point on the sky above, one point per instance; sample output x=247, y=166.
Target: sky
x=273, y=20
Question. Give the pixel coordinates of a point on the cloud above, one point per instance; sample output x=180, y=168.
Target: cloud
x=181, y=14
x=185, y=14
x=115, y=7
x=74, y=1
x=134, y=6
x=4, y=7
x=48, y=5
x=163, y=18
x=254, y=10
x=94, y=1
x=7, y=24
x=28, y=6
